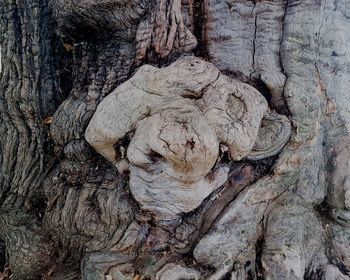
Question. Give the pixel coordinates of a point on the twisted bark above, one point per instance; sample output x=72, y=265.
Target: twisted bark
x=67, y=213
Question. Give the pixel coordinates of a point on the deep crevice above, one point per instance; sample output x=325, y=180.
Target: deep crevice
x=342, y=268
x=286, y=108
x=263, y=89
x=2, y=255
x=279, y=104
x=254, y=40
x=324, y=210
x=199, y=23
x=227, y=276
x=258, y=262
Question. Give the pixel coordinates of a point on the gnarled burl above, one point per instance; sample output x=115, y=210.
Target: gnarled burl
x=179, y=119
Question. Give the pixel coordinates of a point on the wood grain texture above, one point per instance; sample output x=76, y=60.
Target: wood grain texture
x=274, y=213
x=178, y=117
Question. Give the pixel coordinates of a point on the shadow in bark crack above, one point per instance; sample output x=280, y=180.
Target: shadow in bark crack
x=2, y=255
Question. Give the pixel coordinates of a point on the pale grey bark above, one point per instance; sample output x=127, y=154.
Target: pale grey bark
x=66, y=213
x=181, y=120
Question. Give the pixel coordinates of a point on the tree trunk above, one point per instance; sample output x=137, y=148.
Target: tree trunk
x=227, y=159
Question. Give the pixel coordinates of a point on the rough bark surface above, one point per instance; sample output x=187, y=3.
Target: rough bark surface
x=86, y=86
x=180, y=121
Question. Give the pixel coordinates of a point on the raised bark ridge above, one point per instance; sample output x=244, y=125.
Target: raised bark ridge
x=177, y=119
x=284, y=217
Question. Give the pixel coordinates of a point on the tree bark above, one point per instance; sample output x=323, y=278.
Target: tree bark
x=69, y=211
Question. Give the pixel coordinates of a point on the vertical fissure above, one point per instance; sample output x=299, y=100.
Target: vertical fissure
x=254, y=14
x=286, y=110
x=199, y=26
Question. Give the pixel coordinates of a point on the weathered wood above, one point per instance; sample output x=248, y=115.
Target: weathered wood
x=178, y=119
x=67, y=212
